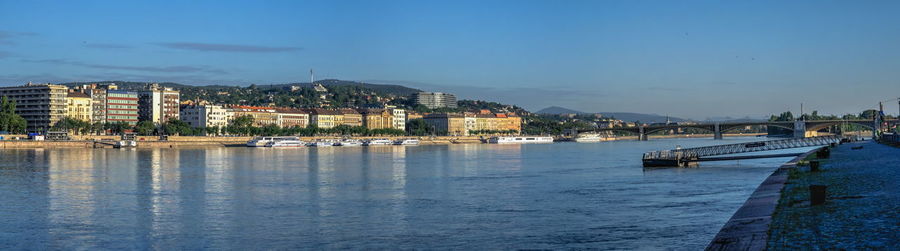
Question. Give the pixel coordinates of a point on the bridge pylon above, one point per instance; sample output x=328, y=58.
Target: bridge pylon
x=717, y=133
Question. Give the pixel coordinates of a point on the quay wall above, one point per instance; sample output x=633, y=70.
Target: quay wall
x=748, y=228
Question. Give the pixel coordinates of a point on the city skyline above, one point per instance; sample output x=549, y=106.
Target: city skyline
x=694, y=59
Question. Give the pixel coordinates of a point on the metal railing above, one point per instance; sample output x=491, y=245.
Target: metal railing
x=690, y=153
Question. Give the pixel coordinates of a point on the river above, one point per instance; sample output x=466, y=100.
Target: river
x=562, y=195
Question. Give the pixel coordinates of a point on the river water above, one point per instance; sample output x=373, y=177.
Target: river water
x=563, y=195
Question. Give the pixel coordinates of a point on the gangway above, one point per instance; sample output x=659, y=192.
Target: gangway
x=685, y=156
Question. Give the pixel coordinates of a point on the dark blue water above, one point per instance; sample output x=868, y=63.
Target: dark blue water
x=564, y=195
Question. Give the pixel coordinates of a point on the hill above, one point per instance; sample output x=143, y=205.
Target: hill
x=624, y=116
x=558, y=110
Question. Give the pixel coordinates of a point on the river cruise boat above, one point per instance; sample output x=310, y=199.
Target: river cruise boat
x=590, y=138
x=348, y=142
x=406, y=142
x=264, y=140
x=377, y=142
x=286, y=143
x=520, y=140
x=321, y=143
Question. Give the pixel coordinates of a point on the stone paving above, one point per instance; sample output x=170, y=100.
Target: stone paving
x=862, y=210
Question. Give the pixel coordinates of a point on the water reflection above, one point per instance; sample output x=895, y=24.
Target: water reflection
x=390, y=197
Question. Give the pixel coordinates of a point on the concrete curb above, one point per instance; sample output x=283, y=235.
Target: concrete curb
x=748, y=228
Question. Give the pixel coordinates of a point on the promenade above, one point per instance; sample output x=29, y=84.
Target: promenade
x=862, y=209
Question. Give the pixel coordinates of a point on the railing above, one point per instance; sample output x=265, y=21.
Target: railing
x=692, y=153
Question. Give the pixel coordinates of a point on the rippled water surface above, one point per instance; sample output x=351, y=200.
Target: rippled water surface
x=563, y=195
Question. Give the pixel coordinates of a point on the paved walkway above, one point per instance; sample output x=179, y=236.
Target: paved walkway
x=862, y=210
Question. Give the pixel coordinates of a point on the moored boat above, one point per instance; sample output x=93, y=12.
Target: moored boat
x=348, y=142
x=377, y=142
x=520, y=140
x=590, y=138
x=406, y=142
x=286, y=143
x=320, y=143
x=262, y=141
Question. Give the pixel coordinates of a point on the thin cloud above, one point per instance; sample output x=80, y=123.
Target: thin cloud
x=4, y=54
x=227, y=47
x=158, y=69
x=107, y=46
x=7, y=37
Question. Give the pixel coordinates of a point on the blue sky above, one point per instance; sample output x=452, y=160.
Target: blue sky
x=693, y=59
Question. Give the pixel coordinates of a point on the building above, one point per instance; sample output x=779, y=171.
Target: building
x=290, y=117
x=158, y=104
x=323, y=118
x=41, y=105
x=262, y=116
x=376, y=118
x=97, y=92
x=79, y=106
x=399, y=118
x=465, y=124
x=447, y=124
x=205, y=115
x=350, y=117
x=434, y=100
x=121, y=106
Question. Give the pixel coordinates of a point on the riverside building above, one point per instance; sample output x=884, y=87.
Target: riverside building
x=121, y=106
x=158, y=104
x=79, y=106
x=205, y=115
x=41, y=105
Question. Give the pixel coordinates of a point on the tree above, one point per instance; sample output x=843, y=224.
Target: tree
x=145, y=128
x=9, y=120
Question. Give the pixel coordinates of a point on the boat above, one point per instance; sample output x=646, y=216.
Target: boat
x=406, y=142
x=520, y=140
x=348, y=142
x=320, y=143
x=264, y=140
x=286, y=143
x=377, y=142
x=125, y=143
x=590, y=138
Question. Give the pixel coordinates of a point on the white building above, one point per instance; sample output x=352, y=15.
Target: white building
x=205, y=115
x=398, y=117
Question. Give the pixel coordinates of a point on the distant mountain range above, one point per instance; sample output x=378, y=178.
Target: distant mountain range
x=624, y=116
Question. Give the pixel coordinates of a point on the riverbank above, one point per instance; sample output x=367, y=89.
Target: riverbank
x=862, y=207
x=748, y=227
x=95, y=141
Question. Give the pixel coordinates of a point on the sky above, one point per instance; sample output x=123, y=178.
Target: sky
x=690, y=59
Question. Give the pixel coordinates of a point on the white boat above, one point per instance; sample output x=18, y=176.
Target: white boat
x=378, y=142
x=520, y=140
x=320, y=143
x=590, y=138
x=348, y=142
x=125, y=143
x=264, y=141
x=406, y=142
x=286, y=143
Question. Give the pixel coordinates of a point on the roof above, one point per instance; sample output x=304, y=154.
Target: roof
x=78, y=95
x=291, y=110
x=320, y=111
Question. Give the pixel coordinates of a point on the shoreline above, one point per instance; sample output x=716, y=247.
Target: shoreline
x=748, y=227
x=95, y=141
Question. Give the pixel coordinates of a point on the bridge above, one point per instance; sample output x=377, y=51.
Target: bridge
x=686, y=156
x=800, y=128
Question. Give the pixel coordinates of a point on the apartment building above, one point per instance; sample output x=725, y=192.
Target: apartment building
x=205, y=115
x=158, y=104
x=79, y=106
x=41, y=105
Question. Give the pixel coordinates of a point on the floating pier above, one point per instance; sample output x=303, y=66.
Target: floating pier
x=687, y=156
